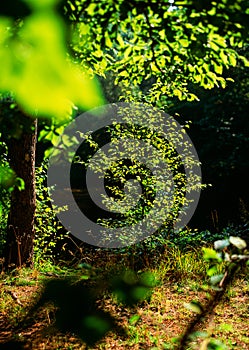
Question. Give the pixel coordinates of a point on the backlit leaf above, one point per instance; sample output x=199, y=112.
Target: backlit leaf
x=237, y=242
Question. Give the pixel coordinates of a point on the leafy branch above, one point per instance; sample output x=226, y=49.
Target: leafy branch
x=236, y=261
x=153, y=45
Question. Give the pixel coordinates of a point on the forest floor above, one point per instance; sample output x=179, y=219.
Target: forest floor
x=153, y=324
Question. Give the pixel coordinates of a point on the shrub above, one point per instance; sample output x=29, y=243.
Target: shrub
x=49, y=233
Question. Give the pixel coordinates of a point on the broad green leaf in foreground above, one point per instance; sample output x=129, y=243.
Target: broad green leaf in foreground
x=9, y=180
x=35, y=66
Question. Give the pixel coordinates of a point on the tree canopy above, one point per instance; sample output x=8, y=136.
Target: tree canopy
x=170, y=43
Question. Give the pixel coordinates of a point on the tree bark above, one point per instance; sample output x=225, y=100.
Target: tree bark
x=20, y=232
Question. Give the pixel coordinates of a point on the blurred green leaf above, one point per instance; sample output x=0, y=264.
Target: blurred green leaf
x=96, y=324
x=210, y=254
x=7, y=178
x=134, y=319
x=36, y=68
x=198, y=334
x=216, y=279
x=194, y=306
x=130, y=288
x=216, y=345
x=212, y=270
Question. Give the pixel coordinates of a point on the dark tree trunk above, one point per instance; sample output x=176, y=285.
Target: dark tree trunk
x=20, y=233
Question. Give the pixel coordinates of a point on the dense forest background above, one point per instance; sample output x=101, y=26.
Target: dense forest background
x=220, y=133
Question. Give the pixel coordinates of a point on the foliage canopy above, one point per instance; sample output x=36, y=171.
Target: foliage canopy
x=170, y=44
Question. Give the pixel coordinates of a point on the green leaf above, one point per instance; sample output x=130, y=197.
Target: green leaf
x=91, y=9
x=210, y=254
x=244, y=60
x=184, y=42
x=216, y=345
x=124, y=73
x=227, y=327
x=120, y=41
x=148, y=279
x=20, y=184
x=140, y=293
x=223, y=57
x=198, y=334
x=218, y=69
x=216, y=279
x=212, y=270
x=108, y=41
x=178, y=93
x=96, y=324
x=232, y=60
x=134, y=319
x=7, y=178
x=84, y=277
x=194, y=306
x=43, y=80
x=212, y=12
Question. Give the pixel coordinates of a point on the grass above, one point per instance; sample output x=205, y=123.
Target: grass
x=155, y=323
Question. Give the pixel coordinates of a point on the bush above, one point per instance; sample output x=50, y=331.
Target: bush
x=49, y=233
x=4, y=199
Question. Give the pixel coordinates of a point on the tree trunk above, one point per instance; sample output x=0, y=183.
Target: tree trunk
x=21, y=232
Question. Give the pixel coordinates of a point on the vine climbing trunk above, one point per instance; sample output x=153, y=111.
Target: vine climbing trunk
x=20, y=231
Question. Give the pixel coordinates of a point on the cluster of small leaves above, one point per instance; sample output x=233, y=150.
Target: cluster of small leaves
x=4, y=194
x=8, y=182
x=241, y=231
x=175, y=45
x=225, y=261
x=237, y=253
x=192, y=237
x=10, y=127
x=120, y=196
x=48, y=230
